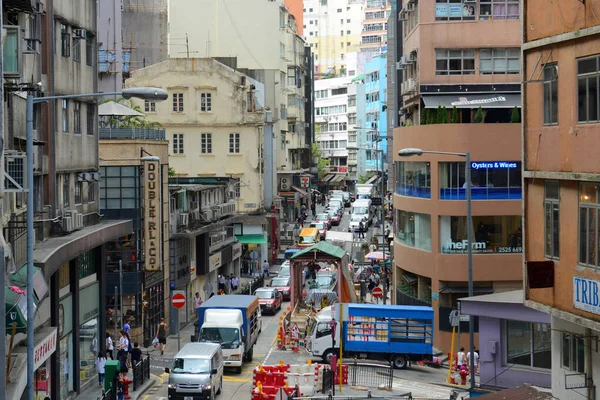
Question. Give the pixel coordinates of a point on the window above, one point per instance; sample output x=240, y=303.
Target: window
x=206, y=143
x=413, y=229
x=454, y=62
x=282, y=51
x=552, y=218
x=352, y=100
x=178, y=143
x=120, y=193
x=77, y=50
x=494, y=234
x=89, y=50
x=234, y=142
x=587, y=89
x=339, y=10
x=498, y=9
x=528, y=344
x=413, y=179
x=499, y=61
x=65, y=115
x=65, y=41
x=348, y=33
x=12, y=50
x=550, y=94
x=588, y=224
x=66, y=190
x=177, y=102
x=490, y=180
x=291, y=77
x=90, y=118
x=91, y=193
x=454, y=10
x=205, y=102
x=352, y=119
x=77, y=117
x=573, y=352
x=78, y=192
x=149, y=106
x=338, y=91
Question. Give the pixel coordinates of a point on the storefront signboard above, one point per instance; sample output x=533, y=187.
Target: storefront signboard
x=152, y=224
x=88, y=306
x=586, y=294
x=214, y=262
x=462, y=246
x=236, y=252
x=494, y=165
x=44, y=349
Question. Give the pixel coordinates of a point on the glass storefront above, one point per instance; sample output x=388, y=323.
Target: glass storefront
x=154, y=307
x=90, y=341
x=42, y=381
x=413, y=229
x=413, y=179
x=490, y=180
x=497, y=234
x=66, y=365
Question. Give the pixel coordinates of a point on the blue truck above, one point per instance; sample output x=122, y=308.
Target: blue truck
x=399, y=334
x=233, y=321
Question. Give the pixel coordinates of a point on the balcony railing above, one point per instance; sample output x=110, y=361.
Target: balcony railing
x=132, y=133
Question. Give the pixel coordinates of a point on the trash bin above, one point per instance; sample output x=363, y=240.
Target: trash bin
x=111, y=369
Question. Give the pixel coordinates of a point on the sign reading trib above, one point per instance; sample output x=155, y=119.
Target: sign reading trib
x=178, y=300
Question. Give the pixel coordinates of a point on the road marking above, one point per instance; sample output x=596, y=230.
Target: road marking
x=164, y=374
x=158, y=378
x=239, y=380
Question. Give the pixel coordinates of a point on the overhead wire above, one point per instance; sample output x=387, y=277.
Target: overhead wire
x=235, y=28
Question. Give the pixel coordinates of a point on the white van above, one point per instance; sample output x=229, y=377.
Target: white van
x=196, y=372
x=362, y=208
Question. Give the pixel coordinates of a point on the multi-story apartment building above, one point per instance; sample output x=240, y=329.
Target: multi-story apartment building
x=467, y=62
x=331, y=128
x=112, y=60
x=375, y=25
x=215, y=126
x=356, y=137
x=332, y=29
x=561, y=53
x=394, y=81
x=50, y=49
x=375, y=111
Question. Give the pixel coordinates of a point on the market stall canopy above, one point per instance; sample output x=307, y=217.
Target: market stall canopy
x=252, y=239
x=40, y=286
x=319, y=249
x=463, y=100
x=114, y=109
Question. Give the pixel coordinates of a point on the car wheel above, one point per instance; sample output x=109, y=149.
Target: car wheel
x=327, y=356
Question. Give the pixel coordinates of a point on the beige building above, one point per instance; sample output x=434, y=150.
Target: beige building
x=213, y=123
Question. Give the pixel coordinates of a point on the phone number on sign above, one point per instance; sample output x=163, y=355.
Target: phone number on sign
x=510, y=249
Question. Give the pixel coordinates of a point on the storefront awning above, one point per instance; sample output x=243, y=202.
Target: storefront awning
x=302, y=192
x=492, y=100
x=54, y=252
x=337, y=178
x=251, y=239
x=40, y=286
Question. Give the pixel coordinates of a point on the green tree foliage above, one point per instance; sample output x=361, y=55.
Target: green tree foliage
x=438, y=117
x=455, y=117
x=479, y=116
x=515, y=117
x=424, y=116
x=431, y=115
x=444, y=115
x=322, y=163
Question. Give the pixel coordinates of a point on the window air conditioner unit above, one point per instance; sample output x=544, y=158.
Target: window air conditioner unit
x=410, y=6
x=402, y=16
x=411, y=57
x=80, y=33
x=67, y=224
x=207, y=214
x=184, y=219
x=400, y=66
x=404, y=60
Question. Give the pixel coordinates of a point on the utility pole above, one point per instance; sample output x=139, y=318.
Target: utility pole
x=2, y=260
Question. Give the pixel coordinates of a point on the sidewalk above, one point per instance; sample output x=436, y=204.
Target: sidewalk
x=94, y=392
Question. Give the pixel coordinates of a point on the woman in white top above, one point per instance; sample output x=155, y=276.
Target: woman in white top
x=461, y=358
x=109, y=346
x=123, y=345
x=100, y=363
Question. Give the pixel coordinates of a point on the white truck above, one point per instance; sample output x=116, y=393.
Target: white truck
x=364, y=191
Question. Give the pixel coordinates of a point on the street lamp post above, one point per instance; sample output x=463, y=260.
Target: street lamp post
x=408, y=152
x=146, y=93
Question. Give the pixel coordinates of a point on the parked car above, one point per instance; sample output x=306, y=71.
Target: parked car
x=323, y=217
x=321, y=226
x=284, y=269
x=283, y=285
x=335, y=217
x=270, y=299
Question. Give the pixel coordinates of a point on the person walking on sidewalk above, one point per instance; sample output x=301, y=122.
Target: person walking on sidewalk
x=161, y=335
x=109, y=346
x=221, y=283
x=197, y=303
x=100, y=363
x=266, y=271
x=235, y=282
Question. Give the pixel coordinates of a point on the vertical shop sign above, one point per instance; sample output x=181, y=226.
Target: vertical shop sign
x=152, y=206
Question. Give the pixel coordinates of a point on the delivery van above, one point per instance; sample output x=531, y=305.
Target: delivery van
x=308, y=237
x=196, y=372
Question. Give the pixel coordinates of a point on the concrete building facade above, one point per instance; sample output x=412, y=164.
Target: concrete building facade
x=560, y=69
x=375, y=111
x=374, y=35
x=112, y=61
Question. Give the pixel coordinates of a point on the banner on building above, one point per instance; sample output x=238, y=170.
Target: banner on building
x=152, y=224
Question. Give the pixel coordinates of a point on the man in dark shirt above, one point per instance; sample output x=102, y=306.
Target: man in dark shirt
x=136, y=354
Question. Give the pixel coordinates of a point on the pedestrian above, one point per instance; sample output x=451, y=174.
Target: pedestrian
x=265, y=266
x=221, y=283
x=460, y=358
x=197, y=303
x=123, y=345
x=161, y=335
x=361, y=230
x=313, y=209
x=100, y=363
x=235, y=282
x=476, y=360
x=109, y=346
x=126, y=326
x=121, y=387
x=228, y=283
x=136, y=354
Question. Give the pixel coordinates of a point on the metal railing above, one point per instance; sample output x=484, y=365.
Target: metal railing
x=141, y=372
x=371, y=374
x=132, y=133
x=111, y=393
x=328, y=381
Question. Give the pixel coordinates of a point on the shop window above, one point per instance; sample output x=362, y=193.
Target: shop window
x=413, y=179
x=528, y=344
x=573, y=352
x=498, y=9
x=499, y=61
x=588, y=224
x=120, y=188
x=86, y=264
x=550, y=94
x=552, y=218
x=413, y=229
x=454, y=62
x=89, y=345
x=587, y=89
x=497, y=234
x=455, y=10
x=490, y=180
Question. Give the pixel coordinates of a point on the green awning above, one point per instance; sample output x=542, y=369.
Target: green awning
x=15, y=307
x=359, y=78
x=252, y=239
x=40, y=286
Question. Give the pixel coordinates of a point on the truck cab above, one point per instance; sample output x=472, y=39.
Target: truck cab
x=225, y=327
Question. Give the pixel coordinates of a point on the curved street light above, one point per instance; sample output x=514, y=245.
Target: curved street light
x=411, y=151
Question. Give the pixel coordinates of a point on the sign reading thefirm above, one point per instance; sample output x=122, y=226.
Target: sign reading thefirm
x=152, y=223
x=586, y=294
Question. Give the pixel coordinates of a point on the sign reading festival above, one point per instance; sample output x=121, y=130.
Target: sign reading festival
x=151, y=215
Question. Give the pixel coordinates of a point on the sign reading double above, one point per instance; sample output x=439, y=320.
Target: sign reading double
x=152, y=225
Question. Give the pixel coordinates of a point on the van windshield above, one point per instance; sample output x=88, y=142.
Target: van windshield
x=307, y=239
x=191, y=366
x=228, y=338
x=360, y=210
